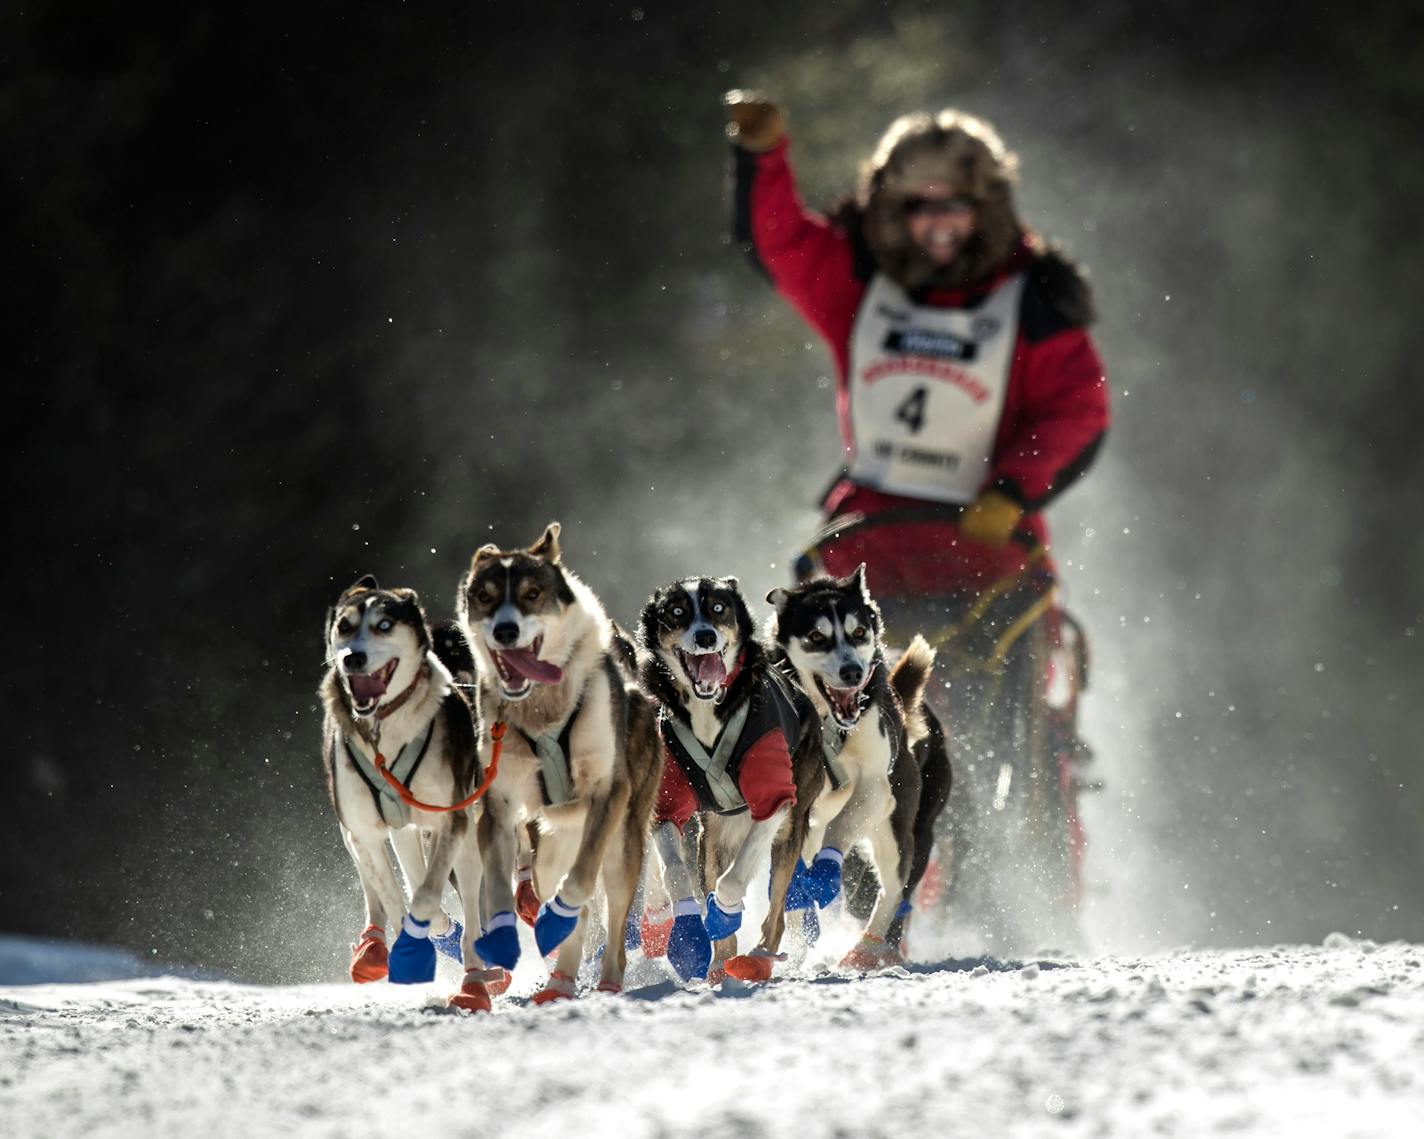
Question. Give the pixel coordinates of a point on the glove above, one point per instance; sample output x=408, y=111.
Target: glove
x=991, y=519
x=720, y=923
x=823, y=877
x=499, y=944
x=555, y=922
x=412, y=956
x=689, y=950
x=754, y=122
x=448, y=942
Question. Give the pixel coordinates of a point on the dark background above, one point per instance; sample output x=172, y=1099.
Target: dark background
x=301, y=293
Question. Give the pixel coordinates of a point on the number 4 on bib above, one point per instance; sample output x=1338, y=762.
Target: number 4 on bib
x=912, y=411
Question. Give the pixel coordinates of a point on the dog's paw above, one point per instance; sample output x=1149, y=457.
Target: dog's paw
x=654, y=928
x=689, y=949
x=448, y=942
x=823, y=876
x=369, y=959
x=798, y=896
x=526, y=901
x=721, y=923
x=499, y=944
x=555, y=922
x=412, y=959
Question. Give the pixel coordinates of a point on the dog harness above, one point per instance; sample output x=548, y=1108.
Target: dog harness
x=403, y=767
x=833, y=740
x=927, y=388
x=552, y=750
x=714, y=776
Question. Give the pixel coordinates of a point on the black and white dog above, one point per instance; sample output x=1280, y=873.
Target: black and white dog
x=579, y=760
x=742, y=750
x=887, y=768
x=390, y=703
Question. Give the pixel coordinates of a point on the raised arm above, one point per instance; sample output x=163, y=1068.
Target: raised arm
x=809, y=261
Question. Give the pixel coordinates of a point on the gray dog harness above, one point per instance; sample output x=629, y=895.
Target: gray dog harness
x=407, y=761
x=552, y=750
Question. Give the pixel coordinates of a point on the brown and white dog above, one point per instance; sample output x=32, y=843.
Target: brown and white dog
x=390, y=702
x=578, y=757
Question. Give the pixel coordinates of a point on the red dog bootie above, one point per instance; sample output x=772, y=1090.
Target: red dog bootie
x=655, y=927
x=474, y=996
x=560, y=987
x=870, y=955
x=753, y=966
x=369, y=959
x=526, y=901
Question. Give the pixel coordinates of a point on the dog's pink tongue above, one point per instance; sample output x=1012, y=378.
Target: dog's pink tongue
x=366, y=688
x=708, y=668
x=527, y=664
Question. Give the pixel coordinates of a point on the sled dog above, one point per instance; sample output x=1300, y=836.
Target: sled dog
x=887, y=774
x=390, y=703
x=578, y=760
x=742, y=750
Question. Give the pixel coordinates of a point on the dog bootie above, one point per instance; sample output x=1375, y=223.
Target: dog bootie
x=870, y=955
x=810, y=926
x=368, y=956
x=412, y=959
x=655, y=927
x=632, y=931
x=689, y=949
x=555, y=922
x=823, y=876
x=448, y=942
x=798, y=897
x=721, y=923
x=526, y=901
x=474, y=996
x=754, y=966
x=499, y=944
x=559, y=987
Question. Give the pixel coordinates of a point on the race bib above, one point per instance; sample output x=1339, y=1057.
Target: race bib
x=927, y=387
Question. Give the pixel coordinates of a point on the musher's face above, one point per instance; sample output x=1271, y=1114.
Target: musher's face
x=939, y=222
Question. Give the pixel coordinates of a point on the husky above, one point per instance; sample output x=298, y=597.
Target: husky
x=742, y=748
x=390, y=702
x=888, y=774
x=579, y=758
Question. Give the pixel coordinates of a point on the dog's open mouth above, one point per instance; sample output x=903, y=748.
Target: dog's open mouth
x=367, y=688
x=707, y=672
x=845, y=703
x=520, y=669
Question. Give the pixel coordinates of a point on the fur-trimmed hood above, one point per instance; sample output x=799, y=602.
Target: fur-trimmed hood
x=949, y=148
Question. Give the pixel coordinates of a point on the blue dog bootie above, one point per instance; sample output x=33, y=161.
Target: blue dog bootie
x=448, y=942
x=721, y=923
x=499, y=944
x=555, y=922
x=798, y=896
x=689, y=949
x=823, y=877
x=412, y=960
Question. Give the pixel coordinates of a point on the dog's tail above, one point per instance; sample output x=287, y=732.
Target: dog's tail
x=909, y=678
x=453, y=651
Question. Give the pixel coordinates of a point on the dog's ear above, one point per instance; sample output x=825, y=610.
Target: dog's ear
x=407, y=594
x=778, y=598
x=488, y=550
x=856, y=581
x=547, y=547
x=366, y=581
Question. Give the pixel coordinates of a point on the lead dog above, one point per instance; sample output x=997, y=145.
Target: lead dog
x=578, y=758
x=888, y=774
x=742, y=749
x=389, y=701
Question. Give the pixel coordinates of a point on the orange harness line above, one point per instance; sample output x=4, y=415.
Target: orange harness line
x=497, y=731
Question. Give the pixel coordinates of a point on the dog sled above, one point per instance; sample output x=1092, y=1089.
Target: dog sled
x=1011, y=665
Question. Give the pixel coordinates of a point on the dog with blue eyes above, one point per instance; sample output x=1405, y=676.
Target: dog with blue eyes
x=742, y=752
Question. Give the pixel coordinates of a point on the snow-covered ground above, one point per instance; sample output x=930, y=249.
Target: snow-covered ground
x=1291, y=1041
